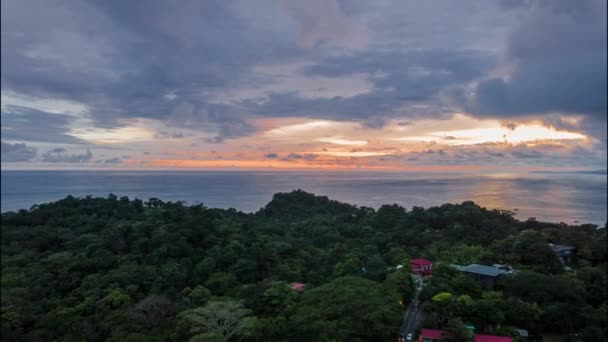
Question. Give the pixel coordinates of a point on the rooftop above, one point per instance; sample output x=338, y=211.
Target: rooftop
x=458, y=267
x=491, y=338
x=432, y=334
x=522, y=332
x=420, y=261
x=298, y=286
x=484, y=270
x=558, y=248
x=435, y=334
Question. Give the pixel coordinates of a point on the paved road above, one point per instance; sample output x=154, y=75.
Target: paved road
x=413, y=315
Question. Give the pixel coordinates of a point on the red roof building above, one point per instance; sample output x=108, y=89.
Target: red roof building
x=429, y=335
x=299, y=287
x=491, y=338
x=422, y=267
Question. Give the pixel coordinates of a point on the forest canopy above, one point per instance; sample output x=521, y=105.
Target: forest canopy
x=121, y=269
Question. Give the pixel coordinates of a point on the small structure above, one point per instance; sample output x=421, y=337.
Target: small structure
x=485, y=275
x=470, y=328
x=298, y=287
x=490, y=338
x=507, y=268
x=457, y=267
x=422, y=267
x=522, y=333
x=429, y=335
x=564, y=253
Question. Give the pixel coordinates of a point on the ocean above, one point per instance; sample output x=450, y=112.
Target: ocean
x=555, y=197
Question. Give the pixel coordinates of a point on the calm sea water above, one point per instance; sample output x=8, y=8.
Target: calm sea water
x=549, y=197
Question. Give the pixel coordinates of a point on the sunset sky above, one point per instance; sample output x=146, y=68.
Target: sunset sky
x=365, y=85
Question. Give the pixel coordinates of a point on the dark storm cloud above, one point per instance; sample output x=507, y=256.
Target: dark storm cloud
x=158, y=60
x=17, y=152
x=136, y=59
x=559, y=52
x=60, y=156
x=400, y=80
x=26, y=124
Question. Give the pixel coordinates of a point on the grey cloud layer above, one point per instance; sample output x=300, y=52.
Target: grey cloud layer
x=559, y=53
x=401, y=79
x=27, y=124
x=168, y=61
x=17, y=152
x=59, y=155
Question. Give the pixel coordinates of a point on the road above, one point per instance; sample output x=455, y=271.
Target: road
x=413, y=315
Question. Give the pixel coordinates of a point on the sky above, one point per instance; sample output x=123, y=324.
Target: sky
x=304, y=85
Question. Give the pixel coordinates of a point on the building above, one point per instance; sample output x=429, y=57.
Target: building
x=298, y=287
x=485, y=275
x=422, y=267
x=490, y=338
x=430, y=335
x=564, y=253
x=522, y=333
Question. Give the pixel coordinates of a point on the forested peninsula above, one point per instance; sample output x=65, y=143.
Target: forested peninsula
x=303, y=268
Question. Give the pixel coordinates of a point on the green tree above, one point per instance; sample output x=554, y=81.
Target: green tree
x=401, y=283
x=347, y=308
x=397, y=256
x=223, y=319
x=443, y=306
x=199, y=296
x=278, y=297
x=457, y=332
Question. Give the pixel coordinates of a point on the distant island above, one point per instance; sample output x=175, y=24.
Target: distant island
x=302, y=268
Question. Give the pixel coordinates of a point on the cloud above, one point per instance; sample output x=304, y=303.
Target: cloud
x=401, y=82
x=300, y=156
x=149, y=66
x=217, y=72
x=59, y=156
x=129, y=64
x=271, y=155
x=558, y=50
x=17, y=152
x=27, y=124
x=323, y=21
x=111, y=161
x=526, y=154
x=167, y=135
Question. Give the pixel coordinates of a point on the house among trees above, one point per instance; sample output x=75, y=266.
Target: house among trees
x=564, y=253
x=430, y=335
x=490, y=338
x=485, y=275
x=422, y=267
x=298, y=287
